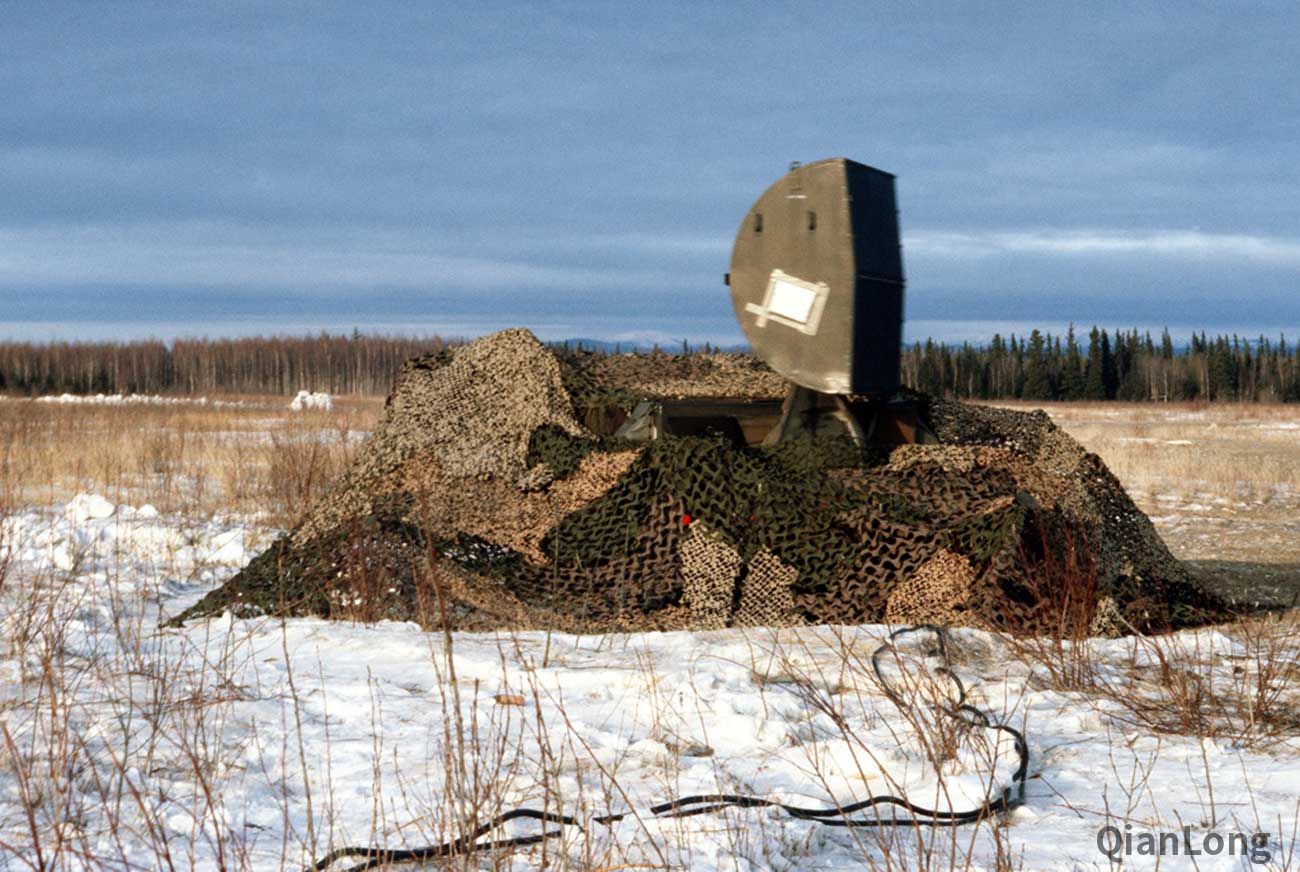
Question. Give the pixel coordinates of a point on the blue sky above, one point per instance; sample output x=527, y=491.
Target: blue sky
x=581, y=168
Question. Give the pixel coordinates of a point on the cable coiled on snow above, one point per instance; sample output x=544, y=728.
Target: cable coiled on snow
x=688, y=806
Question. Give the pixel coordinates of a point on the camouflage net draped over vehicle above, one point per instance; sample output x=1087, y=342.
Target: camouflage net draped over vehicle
x=486, y=499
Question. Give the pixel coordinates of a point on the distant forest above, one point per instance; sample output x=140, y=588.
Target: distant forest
x=339, y=364
x=1120, y=366
x=1101, y=366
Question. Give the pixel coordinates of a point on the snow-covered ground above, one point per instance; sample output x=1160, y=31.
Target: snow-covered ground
x=232, y=744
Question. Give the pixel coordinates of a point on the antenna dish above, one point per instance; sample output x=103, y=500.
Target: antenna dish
x=817, y=278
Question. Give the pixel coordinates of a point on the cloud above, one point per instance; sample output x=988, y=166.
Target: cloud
x=1156, y=244
x=217, y=255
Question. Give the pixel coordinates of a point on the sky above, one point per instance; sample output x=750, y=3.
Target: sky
x=215, y=168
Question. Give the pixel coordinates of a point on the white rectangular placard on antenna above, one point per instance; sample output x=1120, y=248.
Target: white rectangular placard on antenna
x=791, y=301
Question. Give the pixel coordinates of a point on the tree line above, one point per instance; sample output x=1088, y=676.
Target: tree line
x=1121, y=366
x=1103, y=366
x=337, y=364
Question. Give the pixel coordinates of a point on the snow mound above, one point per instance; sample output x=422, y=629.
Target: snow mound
x=87, y=507
x=307, y=400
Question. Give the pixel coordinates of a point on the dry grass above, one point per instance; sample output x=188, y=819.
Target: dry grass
x=1172, y=684
x=1232, y=450
x=257, y=459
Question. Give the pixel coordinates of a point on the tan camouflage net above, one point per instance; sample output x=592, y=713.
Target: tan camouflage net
x=471, y=412
x=766, y=598
x=509, y=514
x=592, y=376
x=937, y=593
x=709, y=569
x=481, y=501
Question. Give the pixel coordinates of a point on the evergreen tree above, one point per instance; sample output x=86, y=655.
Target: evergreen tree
x=1017, y=367
x=1072, y=386
x=1109, y=374
x=1094, y=387
x=1038, y=384
x=1222, y=370
x=930, y=381
x=998, y=367
x=1129, y=356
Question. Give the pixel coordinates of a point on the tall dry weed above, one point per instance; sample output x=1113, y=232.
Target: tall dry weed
x=1240, y=684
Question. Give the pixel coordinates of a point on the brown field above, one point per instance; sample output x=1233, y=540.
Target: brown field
x=1221, y=482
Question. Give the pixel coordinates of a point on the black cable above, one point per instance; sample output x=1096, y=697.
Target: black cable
x=688, y=806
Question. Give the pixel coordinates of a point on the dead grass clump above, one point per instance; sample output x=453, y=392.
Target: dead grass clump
x=1063, y=580
x=838, y=680
x=300, y=468
x=8, y=541
x=1239, y=683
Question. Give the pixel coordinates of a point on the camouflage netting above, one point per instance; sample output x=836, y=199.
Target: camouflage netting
x=486, y=499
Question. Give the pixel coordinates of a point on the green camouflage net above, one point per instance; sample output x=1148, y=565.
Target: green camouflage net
x=491, y=496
